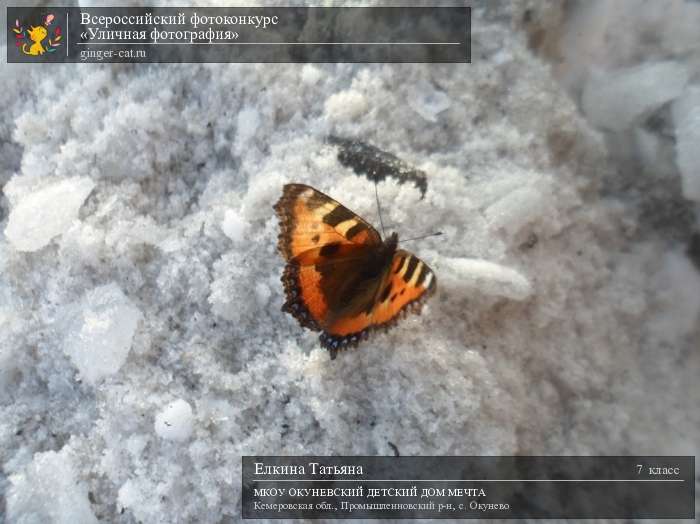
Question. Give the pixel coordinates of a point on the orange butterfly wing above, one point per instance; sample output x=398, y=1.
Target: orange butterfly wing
x=404, y=287
x=314, y=281
x=340, y=277
x=408, y=284
x=310, y=219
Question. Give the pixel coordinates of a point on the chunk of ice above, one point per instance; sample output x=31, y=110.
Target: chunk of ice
x=486, y=277
x=46, y=213
x=686, y=117
x=48, y=491
x=427, y=101
x=617, y=99
x=679, y=304
x=234, y=226
x=101, y=339
x=175, y=421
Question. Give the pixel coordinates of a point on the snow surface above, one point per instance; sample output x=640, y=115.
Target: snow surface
x=560, y=324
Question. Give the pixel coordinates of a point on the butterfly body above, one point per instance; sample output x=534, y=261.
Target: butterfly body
x=341, y=278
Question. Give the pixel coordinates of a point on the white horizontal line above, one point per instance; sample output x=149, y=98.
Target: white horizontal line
x=470, y=480
x=270, y=43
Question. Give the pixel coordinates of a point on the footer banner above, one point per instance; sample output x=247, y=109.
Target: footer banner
x=469, y=487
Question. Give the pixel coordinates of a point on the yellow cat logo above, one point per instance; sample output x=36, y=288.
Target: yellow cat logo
x=32, y=41
x=36, y=35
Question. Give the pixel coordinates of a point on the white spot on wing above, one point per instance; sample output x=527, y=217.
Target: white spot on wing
x=343, y=227
x=403, y=267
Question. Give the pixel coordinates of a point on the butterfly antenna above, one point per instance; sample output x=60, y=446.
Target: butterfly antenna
x=379, y=208
x=437, y=234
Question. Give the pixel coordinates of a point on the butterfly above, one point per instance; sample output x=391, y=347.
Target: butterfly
x=341, y=278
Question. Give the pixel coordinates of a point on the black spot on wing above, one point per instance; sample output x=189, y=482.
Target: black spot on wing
x=330, y=249
x=412, y=264
x=423, y=275
x=316, y=200
x=355, y=230
x=315, y=238
x=337, y=216
x=385, y=293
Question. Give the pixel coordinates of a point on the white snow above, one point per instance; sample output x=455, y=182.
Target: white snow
x=310, y=74
x=5, y=361
x=41, y=215
x=130, y=496
x=686, y=116
x=519, y=208
x=49, y=490
x=100, y=341
x=617, y=100
x=262, y=293
x=247, y=125
x=346, y=105
x=175, y=421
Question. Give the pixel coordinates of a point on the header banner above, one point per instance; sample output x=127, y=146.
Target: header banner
x=240, y=34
